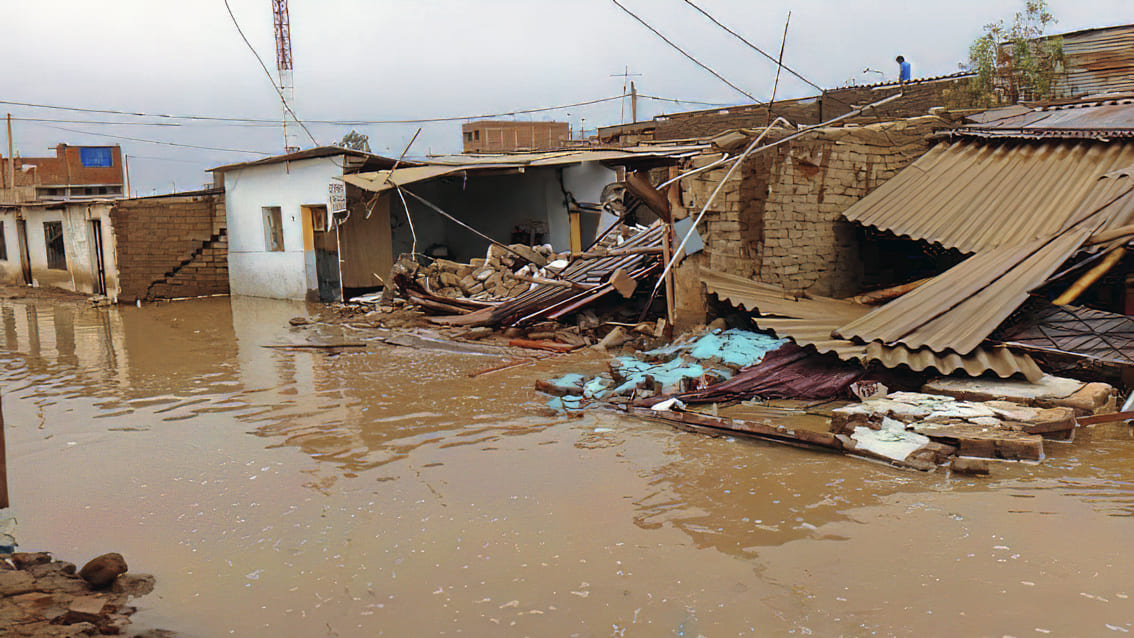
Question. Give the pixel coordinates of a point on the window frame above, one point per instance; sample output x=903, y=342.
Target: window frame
x=56, y=255
x=272, y=219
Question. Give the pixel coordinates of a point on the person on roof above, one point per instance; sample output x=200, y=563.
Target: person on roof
x=903, y=69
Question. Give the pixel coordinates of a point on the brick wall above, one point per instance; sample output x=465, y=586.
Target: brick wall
x=171, y=247
x=778, y=218
x=918, y=97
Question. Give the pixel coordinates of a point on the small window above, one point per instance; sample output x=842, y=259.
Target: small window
x=476, y=135
x=273, y=229
x=468, y=136
x=53, y=239
x=3, y=243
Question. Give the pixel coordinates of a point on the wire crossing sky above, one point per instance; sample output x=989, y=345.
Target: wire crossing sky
x=385, y=67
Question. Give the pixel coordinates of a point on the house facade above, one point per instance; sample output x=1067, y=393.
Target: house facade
x=283, y=240
x=67, y=245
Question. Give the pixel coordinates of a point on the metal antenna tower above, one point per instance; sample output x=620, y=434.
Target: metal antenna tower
x=283, y=65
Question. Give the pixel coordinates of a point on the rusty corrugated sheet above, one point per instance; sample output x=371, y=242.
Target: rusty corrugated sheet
x=973, y=195
x=810, y=321
x=1097, y=61
x=1097, y=119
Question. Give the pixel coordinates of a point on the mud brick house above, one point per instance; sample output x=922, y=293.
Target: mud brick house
x=504, y=136
x=778, y=219
x=171, y=246
x=918, y=97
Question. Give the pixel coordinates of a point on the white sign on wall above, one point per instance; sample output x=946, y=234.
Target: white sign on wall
x=336, y=197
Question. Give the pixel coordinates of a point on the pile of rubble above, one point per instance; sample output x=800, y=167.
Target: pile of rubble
x=503, y=274
x=40, y=596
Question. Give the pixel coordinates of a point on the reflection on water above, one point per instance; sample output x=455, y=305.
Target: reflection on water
x=289, y=492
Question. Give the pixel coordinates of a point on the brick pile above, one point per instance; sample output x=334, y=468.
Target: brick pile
x=171, y=247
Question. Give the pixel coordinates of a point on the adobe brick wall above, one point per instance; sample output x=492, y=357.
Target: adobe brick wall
x=917, y=99
x=171, y=247
x=778, y=218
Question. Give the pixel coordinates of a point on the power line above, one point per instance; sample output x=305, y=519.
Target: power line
x=762, y=52
x=164, y=143
x=677, y=101
x=427, y=120
x=687, y=55
x=269, y=74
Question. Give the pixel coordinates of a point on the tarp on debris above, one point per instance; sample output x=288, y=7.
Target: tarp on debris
x=791, y=372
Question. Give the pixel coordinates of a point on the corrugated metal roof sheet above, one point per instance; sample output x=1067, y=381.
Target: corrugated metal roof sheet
x=809, y=321
x=440, y=166
x=1098, y=119
x=1096, y=61
x=957, y=310
x=974, y=196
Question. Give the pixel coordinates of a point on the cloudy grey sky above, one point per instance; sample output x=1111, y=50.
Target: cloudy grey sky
x=409, y=59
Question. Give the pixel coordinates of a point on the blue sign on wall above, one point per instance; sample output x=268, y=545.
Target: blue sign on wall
x=96, y=156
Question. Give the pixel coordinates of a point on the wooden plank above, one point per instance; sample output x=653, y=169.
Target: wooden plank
x=761, y=430
x=552, y=346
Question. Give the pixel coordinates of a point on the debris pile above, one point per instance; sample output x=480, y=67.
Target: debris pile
x=899, y=425
x=692, y=362
x=40, y=596
x=502, y=274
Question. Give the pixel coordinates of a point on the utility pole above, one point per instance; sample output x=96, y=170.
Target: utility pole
x=126, y=172
x=11, y=159
x=283, y=66
x=625, y=75
x=633, y=103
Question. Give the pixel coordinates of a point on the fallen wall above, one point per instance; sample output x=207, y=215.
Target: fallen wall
x=170, y=247
x=778, y=219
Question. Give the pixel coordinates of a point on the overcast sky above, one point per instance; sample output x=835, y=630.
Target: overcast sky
x=410, y=59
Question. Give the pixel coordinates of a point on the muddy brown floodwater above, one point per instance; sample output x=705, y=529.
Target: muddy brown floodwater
x=383, y=492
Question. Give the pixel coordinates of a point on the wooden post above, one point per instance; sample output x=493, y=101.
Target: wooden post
x=11, y=159
x=576, y=226
x=3, y=464
x=633, y=102
x=670, y=306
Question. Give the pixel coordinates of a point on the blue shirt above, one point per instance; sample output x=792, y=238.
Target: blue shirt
x=904, y=72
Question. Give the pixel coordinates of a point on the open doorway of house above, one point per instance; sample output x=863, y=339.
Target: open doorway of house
x=25, y=255
x=326, y=246
x=99, y=273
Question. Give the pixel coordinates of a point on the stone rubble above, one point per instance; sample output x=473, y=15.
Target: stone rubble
x=41, y=596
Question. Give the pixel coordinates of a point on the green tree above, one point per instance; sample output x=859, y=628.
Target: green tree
x=355, y=141
x=1016, y=62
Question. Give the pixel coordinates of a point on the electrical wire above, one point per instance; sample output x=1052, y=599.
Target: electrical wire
x=164, y=143
x=269, y=74
x=677, y=101
x=762, y=52
x=687, y=55
x=449, y=118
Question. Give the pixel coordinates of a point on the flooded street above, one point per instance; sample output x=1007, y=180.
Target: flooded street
x=381, y=491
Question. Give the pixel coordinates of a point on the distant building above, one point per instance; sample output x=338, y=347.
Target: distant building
x=503, y=136
x=1096, y=61
x=75, y=173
